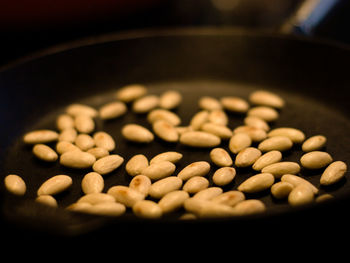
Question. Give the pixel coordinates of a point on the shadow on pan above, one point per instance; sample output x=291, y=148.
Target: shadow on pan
x=312, y=76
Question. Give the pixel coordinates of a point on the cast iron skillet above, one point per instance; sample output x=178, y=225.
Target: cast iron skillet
x=312, y=76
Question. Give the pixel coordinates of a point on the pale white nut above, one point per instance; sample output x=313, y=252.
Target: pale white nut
x=195, y=184
x=147, y=209
x=107, y=164
x=281, y=190
x=173, y=157
x=209, y=103
x=199, y=168
x=173, y=201
x=48, y=200
x=84, y=123
x=45, y=153
x=234, y=104
x=145, y=104
x=55, y=185
x=15, y=184
x=81, y=109
x=266, y=98
x=84, y=142
x=314, y=143
x=207, y=209
x=136, y=164
x=199, y=139
x=301, y=195
x=257, y=183
x=224, y=176
x=333, y=173
x=64, y=121
x=247, y=157
x=315, y=160
x=266, y=113
x=230, y=198
x=96, y=198
x=137, y=133
x=106, y=209
x=218, y=117
x=131, y=92
x=199, y=119
x=217, y=129
x=77, y=159
x=104, y=140
x=165, y=115
x=141, y=183
x=239, y=141
x=297, y=180
x=323, y=198
x=92, y=183
x=165, y=131
x=220, y=157
x=164, y=186
x=267, y=159
x=68, y=135
x=296, y=135
x=63, y=146
x=125, y=195
x=40, y=136
x=159, y=170
x=256, y=122
x=276, y=143
x=112, y=110
x=254, y=133
x=249, y=207
x=98, y=152
x=208, y=193
x=281, y=168
x=170, y=99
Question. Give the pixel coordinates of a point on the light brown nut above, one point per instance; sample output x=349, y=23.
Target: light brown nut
x=247, y=157
x=333, y=173
x=173, y=201
x=281, y=168
x=159, y=170
x=224, y=176
x=209, y=103
x=165, y=115
x=315, y=159
x=96, y=198
x=248, y=207
x=164, y=186
x=55, y=185
x=200, y=168
x=188, y=216
x=107, y=164
x=147, y=209
x=266, y=113
x=256, y=122
x=15, y=184
x=199, y=119
x=68, y=135
x=40, y=136
x=48, y=200
x=45, y=153
x=136, y=164
x=207, y=209
x=92, y=183
x=141, y=183
x=230, y=198
x=297, y=180
x=170, y=99
x=137, y=133
x=267, y=159
x=220, y=157
x=257, y=183
x=63, y=146
x=323, y=198
x=165, y=131
x=79, y=207
x=239, y=141
x=255, y=134
x=195, y=184
x=98, y=152
x=301, y=195
x=182, y=129
x=81, y=109
x=199, y=139
x=106, y=209
x=145, y=104
x=77, y=159
x=219, y=130
x=281, y=190
x=296, y=135
x=84, y=142
x=208, y=193
x=314, y=143
x=276, y=143
x=218, y=117
x=173, y=157
x=112, y=110
x=84, y=123
x=234, y=104
x=64, y=121
x=131, y=92
x=266, y=98
x=125, y=195
x=104, y=140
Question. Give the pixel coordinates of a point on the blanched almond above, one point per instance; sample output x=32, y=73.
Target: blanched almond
x=98, y=152
x=333, y=173
x=230, y=198
x=200, y=168
x=254, y=133
x=48, y=200
x=276, y=143
x=63, y=146
x=15, y=184
x=165, y=115
x=248, y=207
x=297, y=180
x=55, y=185
x=125, y=195
x=209, y=103
x=301, y=195
x=131, y=92
x=224, y=176
x=234, y=104
x=81, y=109
x=207, y=209
x=266, y=98
x=281, y=189
x=95, y=198
x=92, y=183
x=199, y=119
x=247, y=157
x=220, y=157
x=165, y=131
x=104, y=140
x=159, y=170
x=112, y=110
x=84, y=142
x=107, y=164
x=147, y=209
x=219, y=130
x=136, y=164
x=106, y=209
x=256, y=122
x=145, y=104
x=199, y=139
x=195, y=184
x=315, y=160
x=141, y=183
x=77, y=159
x=40, y=136
x=137, y=133
x=218, y=117
x=239, y=141
x=257, y=183
x=84, y=123
x=64, y=121
x=266, y=113
x=208, y=193
x=296, y=135
x=267, y=159
x=170, y=99
x=314, y=143
x=45, y=153
x=173, y=201
x=68, y=135
x=281, y=168
x=173, y=157
x=164, y=186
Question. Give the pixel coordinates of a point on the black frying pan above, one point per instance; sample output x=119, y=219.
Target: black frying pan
x=312, y=76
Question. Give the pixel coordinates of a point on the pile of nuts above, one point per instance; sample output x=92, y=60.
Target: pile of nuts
x=154, y=189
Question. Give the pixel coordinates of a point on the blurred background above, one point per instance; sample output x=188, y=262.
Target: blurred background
x=27, y=26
